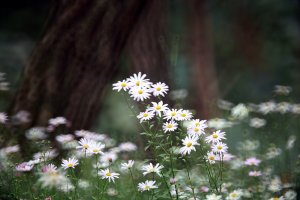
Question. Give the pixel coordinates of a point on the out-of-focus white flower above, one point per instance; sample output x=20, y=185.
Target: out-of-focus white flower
x=64, y=138
x=127, y=147
x=57, y=121
x=189, y=144
x=128, y=165
x=267, y=107
x=283, y=107
x=145, y=116
x=46, y=155
x=108, y=157
x=21, y=117
x=257, y=122
x=215, y=137
x=234, y=195
x=3, y=117
x=248, y=145
x=253, y=161
x=273, y=152
x=112, y=192
x=146, y=186
x=178, y=94
x=224, y=105
x=159, y=89
x=240, y=111
x=70, y=163
x=218, y=123
x=213, y=197
x=236, y=163
x=53, y=178
x=83, y=184
x=277, y=198
x=225, y=157
x=107, y=174
x=158, y=108
x=220, y=147
x=36, y=133
x=291, y=142
x=11, y=149
x=170, y=126
x=255, y=173
x=290, y=195
x=295, y=108
x=282, y=90
x=24, y=167
x=275, y=185
x=50, y=168
x=152, y=169
x=121, y=85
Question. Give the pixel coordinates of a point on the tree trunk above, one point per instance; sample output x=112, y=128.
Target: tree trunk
x=75, y=59
x=200, y=47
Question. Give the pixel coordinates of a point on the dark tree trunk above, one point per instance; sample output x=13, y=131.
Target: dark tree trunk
x=200, y=48
x=75, y=59
x=148, y=47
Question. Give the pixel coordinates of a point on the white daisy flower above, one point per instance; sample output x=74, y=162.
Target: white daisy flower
x=70, y=163
x=219, y=147
x=211, y=157
x=235, y=195
x=139, y=80
x=213, y=197
x=257, y=122
x=253, y=161
x=50, y=168
x=128, y=165
x=171, y=114
x=158, y=108
x=152, y=169
x=145, y=116
x=198, y=123
x=84, y=144
x=108, y=157
x=96, y=148
x=255, y=173
x=184, y=115
x=146, y=186
x=3, y=117
x=170, y=126
x=121, y=85
x=64, y=138
x=139, y=93
x=57, y=121
x=189, y=144
x=216, y=137
x=240, y=111
x=159, y=89
x=196, y=131
x=107, y=174
x=267, y=107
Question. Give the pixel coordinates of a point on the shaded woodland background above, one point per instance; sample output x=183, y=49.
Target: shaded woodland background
x=61, y=57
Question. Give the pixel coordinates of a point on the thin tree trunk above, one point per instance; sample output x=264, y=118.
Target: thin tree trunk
x=200, y=47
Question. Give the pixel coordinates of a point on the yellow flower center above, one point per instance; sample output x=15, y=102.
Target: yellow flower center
x=215, y=136
x=85, y=146
x=158, y=89
x=219, y=147
x=147, y=187
x=95, y=150
x=189, y=144
x=196, y=129
x=183, y=115
x=145, y=115
x=234, y=195
x=197, y=124
x=108, y=174
x=275, y=198
x=140, y=91
x=70, y=165
x=138, y=83
x=173, y=114
x=211, y=158
x=170, y=125
x=123, y=85
x=158, y=107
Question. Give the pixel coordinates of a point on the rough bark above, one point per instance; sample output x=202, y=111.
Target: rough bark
x=75, y=59
x=200, y=47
